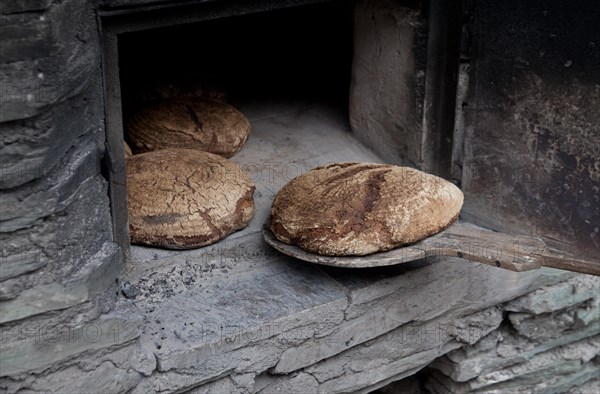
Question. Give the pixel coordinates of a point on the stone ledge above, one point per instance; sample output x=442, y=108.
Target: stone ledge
x=219, y=311
x=56, y=242
x=95, y=276
x=19, y=264
x=465, y=364
x=547, y=326
x=39, y=346
x=402, y=351
x=23, y=206
x=571, y=292
x=31, y=85
x=461, y=287
x=32, y=148
x=554, y=371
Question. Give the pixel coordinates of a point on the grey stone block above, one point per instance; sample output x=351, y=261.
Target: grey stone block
x=400, y=352
x=387, y=89
x=589, y=387
x=571, y=292
x=298, y=383
x=19, y=264
x=218, y=310
x=31, y=148
x=235, y=384
x=23, y=206
x=382, y=303
x=546, y=326
x=32, y=85
x=35, y=347
x=24, y=41
x=501, y=349
x=95, y=276
x=104, y=371
x=588, y=313
x=19, y=6
x=552, y=372
x=536, y=370
x=65, y=240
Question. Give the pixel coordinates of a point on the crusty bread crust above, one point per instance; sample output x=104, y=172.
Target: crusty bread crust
x=362, y=208
x=128, y=152
x=183, y=198
x=193, y=123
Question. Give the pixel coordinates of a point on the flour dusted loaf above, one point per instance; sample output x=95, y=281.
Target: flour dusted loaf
x=184, y=198
x=361, y=208
x=194, y=123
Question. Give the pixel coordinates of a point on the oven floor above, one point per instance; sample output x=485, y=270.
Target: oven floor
x=286, y=140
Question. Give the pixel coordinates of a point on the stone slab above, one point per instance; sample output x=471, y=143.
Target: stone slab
x=222, y=309
x=589, y=387
x=31, y=85
x=65, y=241
x=388, y=79
x=561, y=360
x=406, y=349
x=20, y=263
x=23, y=206
x=501, y=349
x=406, y=295
x=547, y=326
x=53, y=343
x=95, y=276
x=566, y=294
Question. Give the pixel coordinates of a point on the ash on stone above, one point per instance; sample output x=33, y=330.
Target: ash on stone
x=129, y=290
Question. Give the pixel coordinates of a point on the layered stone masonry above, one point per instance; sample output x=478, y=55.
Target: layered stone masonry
x=548, y=342
x=58, y=264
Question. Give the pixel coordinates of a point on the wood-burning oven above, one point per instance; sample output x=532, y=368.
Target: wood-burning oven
x=501, y=100
x=280, y=62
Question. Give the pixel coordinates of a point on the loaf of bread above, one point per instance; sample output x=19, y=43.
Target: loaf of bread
x=127, y=149
x=184, y=198
x=193, y=123
x=361, y=208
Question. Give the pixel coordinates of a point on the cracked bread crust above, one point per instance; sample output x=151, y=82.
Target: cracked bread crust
x=193, y=123
x=184, y=199
x=347, y=209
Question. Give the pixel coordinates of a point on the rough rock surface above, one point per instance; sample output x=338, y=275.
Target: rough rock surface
x=548, y=350
x=184, y=198
x=58, y=264
x=362, y=208
x=388, y=79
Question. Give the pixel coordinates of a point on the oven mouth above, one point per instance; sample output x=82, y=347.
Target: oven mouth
x=288, y=70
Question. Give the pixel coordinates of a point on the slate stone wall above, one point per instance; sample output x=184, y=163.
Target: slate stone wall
x=58, y=263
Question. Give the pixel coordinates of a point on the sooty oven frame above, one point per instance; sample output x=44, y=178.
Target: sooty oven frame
x=442, y=52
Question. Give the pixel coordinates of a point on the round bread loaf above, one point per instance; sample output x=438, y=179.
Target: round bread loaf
x=361, y=208
x=184, y=198
x=194, y=123
x=127, y=149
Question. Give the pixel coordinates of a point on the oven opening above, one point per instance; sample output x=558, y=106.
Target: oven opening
x=288, y=71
